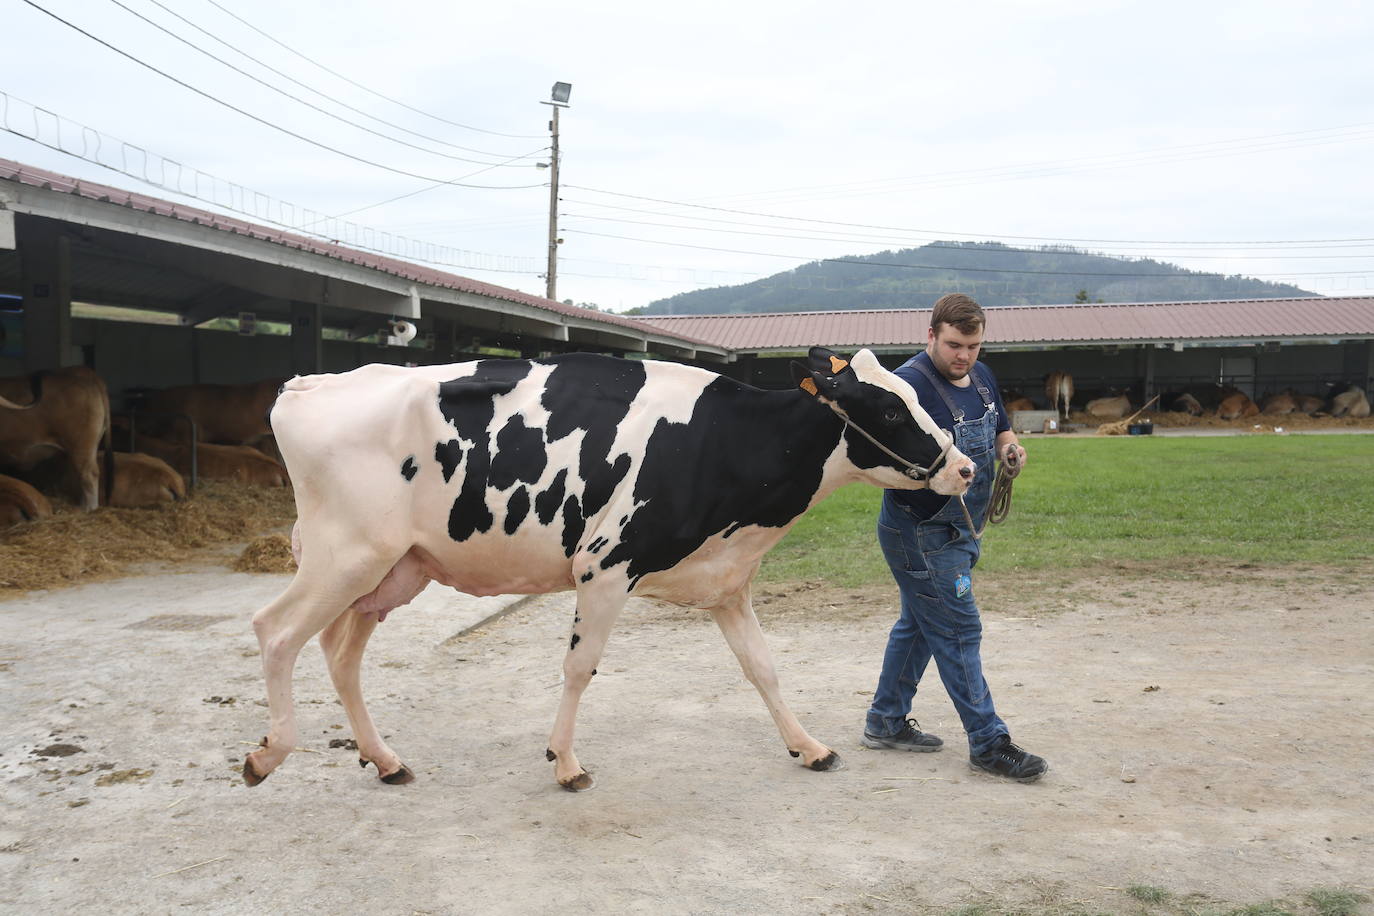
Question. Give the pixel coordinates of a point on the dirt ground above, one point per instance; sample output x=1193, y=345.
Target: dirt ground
x=1208, y=734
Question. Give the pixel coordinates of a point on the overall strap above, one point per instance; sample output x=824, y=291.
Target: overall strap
x=923, y=366
x=984, y=387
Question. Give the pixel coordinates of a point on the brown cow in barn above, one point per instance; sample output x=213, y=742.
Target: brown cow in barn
x=1059, y=390
x=1279, y=404
x=142, y=480
x=223, y=414
x=1182, y=402
x=1014, y=400
x=1307, y=403
x=69, y=414
x=241, y=463
x=20, y=502
x=1113, y=408
x=1236, y=406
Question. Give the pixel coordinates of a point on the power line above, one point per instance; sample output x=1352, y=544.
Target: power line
x=1003, y=250
x=316, y=63
x=943, y=233
x=934, y=239
x=298, y=99
x=990, y=270
x=266, y=123
x=431, y=187
x=305, y=86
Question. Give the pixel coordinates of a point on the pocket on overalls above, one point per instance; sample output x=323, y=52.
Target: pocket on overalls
x=941, y=545
x=896, y=536
x=956, y=616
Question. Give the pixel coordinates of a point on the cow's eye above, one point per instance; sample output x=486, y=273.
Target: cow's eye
x=891, y=415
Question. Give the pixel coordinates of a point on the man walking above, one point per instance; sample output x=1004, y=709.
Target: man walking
x=927, y=542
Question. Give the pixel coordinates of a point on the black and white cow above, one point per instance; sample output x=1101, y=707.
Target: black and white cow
x=616, y=478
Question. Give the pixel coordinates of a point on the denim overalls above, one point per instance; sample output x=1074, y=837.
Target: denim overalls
x=932, y=560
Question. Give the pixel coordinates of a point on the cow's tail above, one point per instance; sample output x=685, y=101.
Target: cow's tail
x=106, y=438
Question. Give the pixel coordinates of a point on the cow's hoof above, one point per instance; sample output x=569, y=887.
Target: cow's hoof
x=829, y=763
x=250, y=773
x=793, y=753
x=579, y=783
x=400, y=777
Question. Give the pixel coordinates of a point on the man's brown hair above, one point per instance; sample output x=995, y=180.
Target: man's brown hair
x=958, y=311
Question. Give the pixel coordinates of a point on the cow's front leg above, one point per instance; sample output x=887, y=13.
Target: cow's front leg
x=736, y=620
x=592, y=622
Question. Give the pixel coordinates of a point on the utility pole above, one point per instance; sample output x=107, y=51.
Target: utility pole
x=559, y=99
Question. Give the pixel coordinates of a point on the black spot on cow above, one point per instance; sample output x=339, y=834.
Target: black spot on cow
x=517, y=507
x=408, y=468
x=468, y=404
x=448, y=454
x=590, y=394
x=573, y=525
x=547, y=503
x=575, y=640
x=745, y=457
x=519, y=454
x=623, y=520
x=597, y=545
x=586, y=576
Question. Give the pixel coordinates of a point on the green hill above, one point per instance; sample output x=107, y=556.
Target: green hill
x=993, y=273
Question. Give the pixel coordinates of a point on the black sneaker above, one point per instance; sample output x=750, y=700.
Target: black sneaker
x=910, y=738
x=1010, y=761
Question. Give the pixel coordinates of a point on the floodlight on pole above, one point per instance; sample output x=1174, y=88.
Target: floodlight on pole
x=558, y=98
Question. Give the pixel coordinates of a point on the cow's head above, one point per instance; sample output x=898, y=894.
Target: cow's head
x=890, y=436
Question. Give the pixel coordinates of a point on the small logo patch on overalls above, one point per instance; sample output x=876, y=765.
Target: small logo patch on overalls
x=962, y=585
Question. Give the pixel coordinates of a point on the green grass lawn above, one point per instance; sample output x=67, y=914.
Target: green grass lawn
x=1147, y=500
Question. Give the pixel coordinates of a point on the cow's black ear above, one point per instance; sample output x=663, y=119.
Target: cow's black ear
x=827, y=362
x=819, y=357
x=816, y=384
x=808, y=380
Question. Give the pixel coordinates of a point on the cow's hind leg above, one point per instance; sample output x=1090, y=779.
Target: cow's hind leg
x=344, y=642
x=736, y=620
x=315, y=597
x=597, y=609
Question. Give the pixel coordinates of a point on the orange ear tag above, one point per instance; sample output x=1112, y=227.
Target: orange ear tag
x=837, y=365
x=809, y=386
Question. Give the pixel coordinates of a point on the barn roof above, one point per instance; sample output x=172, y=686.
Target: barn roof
x=42, y=178
x=1314, y=319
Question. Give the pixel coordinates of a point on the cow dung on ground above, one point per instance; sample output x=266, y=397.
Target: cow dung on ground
x=74, y=545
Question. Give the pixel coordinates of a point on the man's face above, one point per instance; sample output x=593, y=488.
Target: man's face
x=952, y=351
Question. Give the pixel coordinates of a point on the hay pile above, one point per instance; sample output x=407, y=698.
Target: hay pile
x=1267, y=422
x=75, y=546
x=270, y=553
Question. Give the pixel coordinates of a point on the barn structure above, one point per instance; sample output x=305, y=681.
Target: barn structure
x=1256, y=345
x=66, y=241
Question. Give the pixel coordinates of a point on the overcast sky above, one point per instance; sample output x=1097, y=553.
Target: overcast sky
x=714, y=142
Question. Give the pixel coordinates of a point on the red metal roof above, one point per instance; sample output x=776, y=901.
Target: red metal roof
x=41, y=178
x=1029, y=325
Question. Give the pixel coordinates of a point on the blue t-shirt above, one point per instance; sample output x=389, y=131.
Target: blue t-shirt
x=926, y=502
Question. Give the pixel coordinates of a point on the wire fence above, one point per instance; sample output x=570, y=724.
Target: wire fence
x=47, y=128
